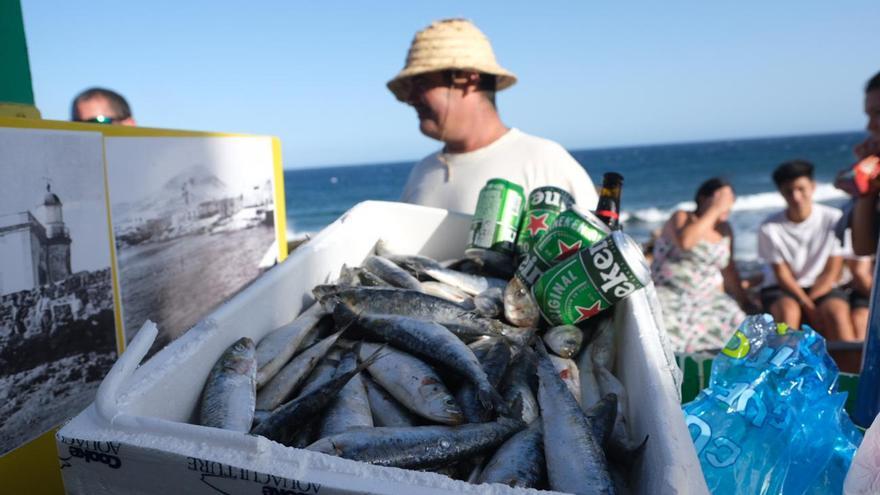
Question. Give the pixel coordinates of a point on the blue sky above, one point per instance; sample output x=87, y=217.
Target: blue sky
x=591, y=74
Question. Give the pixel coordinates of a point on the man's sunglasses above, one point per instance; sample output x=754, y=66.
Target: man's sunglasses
x=100, y=119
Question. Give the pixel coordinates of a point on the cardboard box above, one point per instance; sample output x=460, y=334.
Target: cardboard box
x=135, y=438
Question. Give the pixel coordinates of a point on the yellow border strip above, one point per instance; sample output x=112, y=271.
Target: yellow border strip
x=33, y=467
x=19, y=110
x=114, y=267
x=280, y=205
x=110, y=130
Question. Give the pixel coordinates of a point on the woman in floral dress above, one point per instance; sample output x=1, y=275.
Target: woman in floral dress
x=693, y=265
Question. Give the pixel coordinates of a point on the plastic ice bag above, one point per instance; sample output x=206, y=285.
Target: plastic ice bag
x=771, y=420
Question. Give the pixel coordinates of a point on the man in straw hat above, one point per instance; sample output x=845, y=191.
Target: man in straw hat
x=450, y=78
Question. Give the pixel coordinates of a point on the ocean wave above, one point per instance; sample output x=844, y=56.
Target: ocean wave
x=769, y=200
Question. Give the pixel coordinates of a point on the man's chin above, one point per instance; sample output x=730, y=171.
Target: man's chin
x=430, y=130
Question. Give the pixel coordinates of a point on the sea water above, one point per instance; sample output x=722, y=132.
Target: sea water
x=658, y=180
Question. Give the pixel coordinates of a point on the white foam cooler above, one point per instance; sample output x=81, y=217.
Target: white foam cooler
x=135, y=438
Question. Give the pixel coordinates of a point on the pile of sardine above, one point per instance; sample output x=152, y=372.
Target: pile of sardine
x=409, y=362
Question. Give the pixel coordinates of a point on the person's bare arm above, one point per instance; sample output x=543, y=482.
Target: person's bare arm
x=785, y=279
x=864, y=225
x=863, y=276
x=828, y=278
x=732, y=283
x=688, y=233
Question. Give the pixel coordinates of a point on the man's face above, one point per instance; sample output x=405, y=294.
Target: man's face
x=99, y=107
x=798, y=194
x=436, y=104
x=872, y=110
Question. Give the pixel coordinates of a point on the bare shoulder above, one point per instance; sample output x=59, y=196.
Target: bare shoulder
x=679, y=219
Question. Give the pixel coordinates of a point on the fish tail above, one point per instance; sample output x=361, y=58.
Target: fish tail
x=490, y=399
x=372, y=358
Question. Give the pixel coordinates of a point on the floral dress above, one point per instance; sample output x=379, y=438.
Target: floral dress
x=698, y=315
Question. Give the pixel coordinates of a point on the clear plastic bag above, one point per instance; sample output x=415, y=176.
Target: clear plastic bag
x=771, y=420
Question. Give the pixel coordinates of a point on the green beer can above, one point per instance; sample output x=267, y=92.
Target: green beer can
x=573, y=230
x=594, y=280
x=496, y=222
x=543, y=206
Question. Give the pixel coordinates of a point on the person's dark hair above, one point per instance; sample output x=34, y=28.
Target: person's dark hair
x=487, y=85
x=792, y=170
x=117, y=103
x=708, y=188
x=873, y=83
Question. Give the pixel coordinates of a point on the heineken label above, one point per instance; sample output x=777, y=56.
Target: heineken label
x=544, y=205
x=572, y=231
x=496, y=220
x=586, y=284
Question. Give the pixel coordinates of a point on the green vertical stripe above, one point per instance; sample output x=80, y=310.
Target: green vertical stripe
x=15, y=85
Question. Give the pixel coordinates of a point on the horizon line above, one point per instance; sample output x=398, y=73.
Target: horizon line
x=600, y=148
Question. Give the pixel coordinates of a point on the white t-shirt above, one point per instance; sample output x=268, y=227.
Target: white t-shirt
x=804, y=246
x=516, y=156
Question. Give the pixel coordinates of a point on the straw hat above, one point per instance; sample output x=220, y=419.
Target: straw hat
x=449, y=44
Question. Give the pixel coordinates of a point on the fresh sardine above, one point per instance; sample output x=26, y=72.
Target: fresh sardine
x=447, y=292
x=388, y=271
x=602, y=348
x=430, y=341
x=466, y=324
x=590, y=391
x=323, y=372
x=285, y=383
x=351, y=409
x=277, y=347
x=386, y=410
x=520, y=307
x=519, y=462
x=490, y=302
x=494, y=356
x=286, y=421
x=519, y=384
x=414, y=384
x=564, y=340
x=575, y=460
x=470, y=283
x=568, y=371
x=418, y=446
x=602, y=416
x=229, y=394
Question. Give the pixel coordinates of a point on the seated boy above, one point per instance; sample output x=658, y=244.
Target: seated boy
x=804, y=258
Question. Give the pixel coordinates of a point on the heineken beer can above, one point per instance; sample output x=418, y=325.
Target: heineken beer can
x=573, y=230
x=592, y=281
x=495, y=223
x=542, y=208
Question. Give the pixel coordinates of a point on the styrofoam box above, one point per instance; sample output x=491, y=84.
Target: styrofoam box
x=136, y=437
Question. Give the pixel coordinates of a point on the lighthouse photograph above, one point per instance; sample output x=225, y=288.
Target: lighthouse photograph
x=57, y=331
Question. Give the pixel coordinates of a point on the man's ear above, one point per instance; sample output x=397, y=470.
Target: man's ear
x=462, y=78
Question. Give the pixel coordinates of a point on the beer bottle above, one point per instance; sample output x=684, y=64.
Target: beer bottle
x=608, y=209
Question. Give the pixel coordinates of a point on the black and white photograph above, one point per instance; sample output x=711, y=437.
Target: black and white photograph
x=193, y=219
x=57, y=330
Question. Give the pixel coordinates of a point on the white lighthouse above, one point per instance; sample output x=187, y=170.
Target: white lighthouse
x=57, y=238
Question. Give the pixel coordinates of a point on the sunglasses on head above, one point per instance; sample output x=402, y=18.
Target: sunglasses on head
x=100, y=119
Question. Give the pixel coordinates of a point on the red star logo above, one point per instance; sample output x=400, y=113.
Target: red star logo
x=587, y=312
x=566, y=249
x=538, y=223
